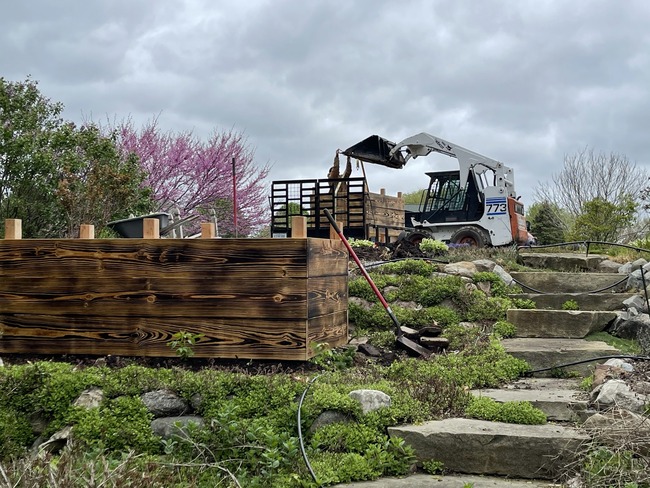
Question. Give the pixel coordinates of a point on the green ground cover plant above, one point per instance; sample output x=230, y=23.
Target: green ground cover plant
x=250, y=437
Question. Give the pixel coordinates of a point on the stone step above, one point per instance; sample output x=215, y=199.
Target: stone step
x=590, y=301
x=561, y=400
x=494, y=448
x=448, y=481
x=570, y=324
x=561, y=261
x=558, y=282
x=549, y=353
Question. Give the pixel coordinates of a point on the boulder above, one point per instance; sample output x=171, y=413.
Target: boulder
x=504, y=275
x=617, y=393
x=371, y=400
x=90, y=398
x=619, y=363
x=175, y=427
x=636, y=301
x=164, y=403
x=57, y=441
x=466, y=269
x=364, y=304
x=608, y=266
x=630, y=325
x=329, y=417
x=483, y=265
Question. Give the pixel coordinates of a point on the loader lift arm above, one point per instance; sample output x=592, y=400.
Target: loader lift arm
x=378, y=150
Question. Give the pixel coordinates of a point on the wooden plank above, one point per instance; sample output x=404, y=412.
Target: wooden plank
x=157, y=304
x=327, y=295
x=13, y=229
x=208, y=230
x=331, y=328
x=53, y=287
x=327, y=257
x=86, y=231
x=235, y=338
x=124, y=258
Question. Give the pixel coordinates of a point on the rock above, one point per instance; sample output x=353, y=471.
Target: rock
x=329, y=417
x=365, y=304
x=369, y=350
x=431, y=331
x=635, y=281
x=91, y=398
x=602, y=374
x=462, y=268
x=57, y=441
x=504, y=275
x=630, y=326
x=407, y=305
x=436, y=344
x=484, y=265
x=637, y=302
x=619, y=363
x=639, y=263
x=608, y=266
x=409, y=332
x=493, y=448
x=616, y=393
x=164, y=403
x=196, y=401
x=371, y=400
x=625, y=269
x=171, y=427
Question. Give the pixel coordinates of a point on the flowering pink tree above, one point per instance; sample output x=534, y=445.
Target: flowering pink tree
x=196, y=177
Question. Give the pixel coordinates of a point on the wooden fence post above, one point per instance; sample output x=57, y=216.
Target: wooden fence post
x=333, y=233
x=86, y=231
x=13, y=229
x=151, y=229
x=298, y=226
x=208, y=230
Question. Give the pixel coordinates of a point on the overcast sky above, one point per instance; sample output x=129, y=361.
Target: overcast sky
x=523, y=82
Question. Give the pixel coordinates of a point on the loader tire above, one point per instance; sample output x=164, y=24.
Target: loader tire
x=472, y=236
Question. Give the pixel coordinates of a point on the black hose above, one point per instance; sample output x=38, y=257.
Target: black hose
x=302, y=444
x=560, y=366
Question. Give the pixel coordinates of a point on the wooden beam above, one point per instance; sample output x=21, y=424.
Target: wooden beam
x=208, y=230
x=13, y=229
x=298, y=226
x=151, y=229
x=86, y=231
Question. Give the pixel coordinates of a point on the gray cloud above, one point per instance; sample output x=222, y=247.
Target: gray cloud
x=524, y=82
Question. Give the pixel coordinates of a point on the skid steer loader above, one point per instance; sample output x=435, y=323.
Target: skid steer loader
x=475, y=205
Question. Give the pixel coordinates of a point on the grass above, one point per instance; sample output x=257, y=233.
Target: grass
x=626, y=346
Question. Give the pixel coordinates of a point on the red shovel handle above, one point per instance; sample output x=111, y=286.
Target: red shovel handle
x=363, y=271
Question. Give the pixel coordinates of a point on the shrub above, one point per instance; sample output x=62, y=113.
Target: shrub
x=570, y=305
x=433, y=246
x=485, y=408
x=504, y=329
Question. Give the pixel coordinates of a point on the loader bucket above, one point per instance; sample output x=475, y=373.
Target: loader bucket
x=375, y=149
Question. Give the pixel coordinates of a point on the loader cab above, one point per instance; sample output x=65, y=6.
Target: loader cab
x=447, y=200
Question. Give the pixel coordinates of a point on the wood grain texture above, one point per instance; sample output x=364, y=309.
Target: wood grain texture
x=251, y=298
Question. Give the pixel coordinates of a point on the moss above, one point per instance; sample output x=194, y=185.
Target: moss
x=626, y=346
x=485, y=408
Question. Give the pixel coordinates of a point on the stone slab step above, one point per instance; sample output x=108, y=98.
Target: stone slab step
x=590, y=301
x=558, y=282
x=548, y=353
x=570, y=262
x=560, y=399
x=494, y=448
x=448, y=481
x=570, y=324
